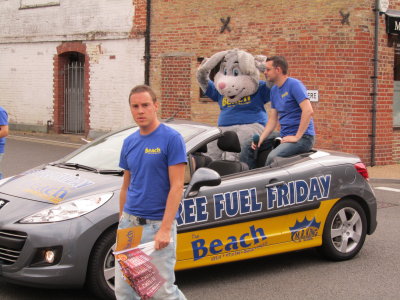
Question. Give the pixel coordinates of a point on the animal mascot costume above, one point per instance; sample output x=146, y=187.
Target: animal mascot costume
x=241, y=97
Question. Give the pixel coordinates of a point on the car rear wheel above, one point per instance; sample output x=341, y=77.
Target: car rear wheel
x=345, y=230
x=101, y=270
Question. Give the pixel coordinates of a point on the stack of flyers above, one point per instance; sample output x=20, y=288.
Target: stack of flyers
x=138, y=270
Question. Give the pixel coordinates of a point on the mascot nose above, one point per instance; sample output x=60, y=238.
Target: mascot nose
x=221, y=85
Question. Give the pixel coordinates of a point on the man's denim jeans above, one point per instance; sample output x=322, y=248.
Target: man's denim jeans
x=247, y=155
x=163, y=259
x=287, y=149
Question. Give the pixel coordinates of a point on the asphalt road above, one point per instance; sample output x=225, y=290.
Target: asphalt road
x=373, y=274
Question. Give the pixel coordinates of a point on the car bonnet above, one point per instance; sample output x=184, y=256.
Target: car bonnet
x=54, y=185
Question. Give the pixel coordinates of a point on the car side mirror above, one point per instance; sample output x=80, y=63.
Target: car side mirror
x=201, y=177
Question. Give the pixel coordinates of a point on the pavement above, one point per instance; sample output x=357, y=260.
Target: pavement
x=388, y=173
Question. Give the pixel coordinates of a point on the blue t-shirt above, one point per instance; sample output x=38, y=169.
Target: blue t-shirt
x=3, y=121
x=248, y=110
x=148, y=157
x=286, y=100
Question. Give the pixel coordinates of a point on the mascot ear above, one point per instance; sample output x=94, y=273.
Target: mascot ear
x=211, y=72
x=246, y=62
x=210, y=63
x=260, y=62
x=208, y=68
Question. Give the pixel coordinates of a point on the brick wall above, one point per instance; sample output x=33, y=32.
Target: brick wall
x=396, y=146
x=325, y=49
x=139, y=19
x=175, y=86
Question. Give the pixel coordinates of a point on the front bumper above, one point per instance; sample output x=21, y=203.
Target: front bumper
x=75, y=237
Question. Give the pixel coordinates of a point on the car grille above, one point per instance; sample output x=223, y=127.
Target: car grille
x=11, y=244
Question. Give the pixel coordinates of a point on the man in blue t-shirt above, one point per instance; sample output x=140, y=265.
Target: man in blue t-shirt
x=291, y=106
x=154, y=160
x=3, y=134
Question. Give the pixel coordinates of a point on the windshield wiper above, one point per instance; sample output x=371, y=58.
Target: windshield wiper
x=112, y=172
x=77, y=166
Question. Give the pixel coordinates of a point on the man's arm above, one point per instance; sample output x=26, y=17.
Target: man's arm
x=271, y=125
x=176, y=178
x=306, y=115
x=124, y=191
x=3, y=131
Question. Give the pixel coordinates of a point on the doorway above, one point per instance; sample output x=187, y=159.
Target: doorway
x=74, y=100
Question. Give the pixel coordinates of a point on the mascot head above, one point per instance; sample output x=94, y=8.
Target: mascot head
x=237, y=73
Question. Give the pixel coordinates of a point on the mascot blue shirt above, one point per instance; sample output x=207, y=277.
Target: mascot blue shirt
x=248, y=110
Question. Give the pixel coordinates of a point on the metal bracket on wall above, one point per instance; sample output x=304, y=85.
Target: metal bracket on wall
x=225, y=24
x=345, y=18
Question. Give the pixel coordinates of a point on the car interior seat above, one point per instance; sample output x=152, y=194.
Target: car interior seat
x=201, y=160
x=229, y=142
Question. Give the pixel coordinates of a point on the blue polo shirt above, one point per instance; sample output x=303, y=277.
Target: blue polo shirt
x=3, y=121
x=148, y=157
x=286, y=100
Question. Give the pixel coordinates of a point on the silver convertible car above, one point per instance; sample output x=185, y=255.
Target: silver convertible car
x=58, y=221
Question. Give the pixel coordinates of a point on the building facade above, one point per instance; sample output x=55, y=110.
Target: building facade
x=330, y=46
x=68, y=66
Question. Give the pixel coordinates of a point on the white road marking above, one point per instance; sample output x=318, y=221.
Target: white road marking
x=387, y=189
x=45, y=141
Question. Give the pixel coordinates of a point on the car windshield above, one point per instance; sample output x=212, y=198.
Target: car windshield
x=104, y=153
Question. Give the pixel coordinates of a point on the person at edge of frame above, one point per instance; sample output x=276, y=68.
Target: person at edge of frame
x=154, y=160
x=3, y=134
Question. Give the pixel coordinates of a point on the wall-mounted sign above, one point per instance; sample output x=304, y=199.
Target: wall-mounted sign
x=393, y=22
x=313, y=95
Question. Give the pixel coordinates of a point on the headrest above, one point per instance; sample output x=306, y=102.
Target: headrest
x=202, y=149
x=229, y=141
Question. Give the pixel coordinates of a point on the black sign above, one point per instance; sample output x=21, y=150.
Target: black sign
x=393, y=24
x=2, y=203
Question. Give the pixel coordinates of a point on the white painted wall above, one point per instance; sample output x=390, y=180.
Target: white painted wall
x=28, y=42
x=111, y=80
x=70, y=20
x=26, y=82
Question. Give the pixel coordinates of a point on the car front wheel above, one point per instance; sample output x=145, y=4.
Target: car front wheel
x=345, y=230
x=101, y=270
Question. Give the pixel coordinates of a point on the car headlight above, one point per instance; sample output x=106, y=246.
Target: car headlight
x=68, y=210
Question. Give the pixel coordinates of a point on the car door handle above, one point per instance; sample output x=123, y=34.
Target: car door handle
x=277, y=183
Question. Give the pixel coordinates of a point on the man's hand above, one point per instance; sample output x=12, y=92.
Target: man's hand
x=162, y=239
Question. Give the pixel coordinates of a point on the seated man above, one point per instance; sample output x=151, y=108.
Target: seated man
x=289, y=104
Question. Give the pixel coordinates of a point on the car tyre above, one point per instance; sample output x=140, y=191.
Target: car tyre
x=344, y=232
x=101, y=269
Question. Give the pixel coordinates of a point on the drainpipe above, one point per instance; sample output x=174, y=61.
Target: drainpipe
x=374, y=93
x=147, y=44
